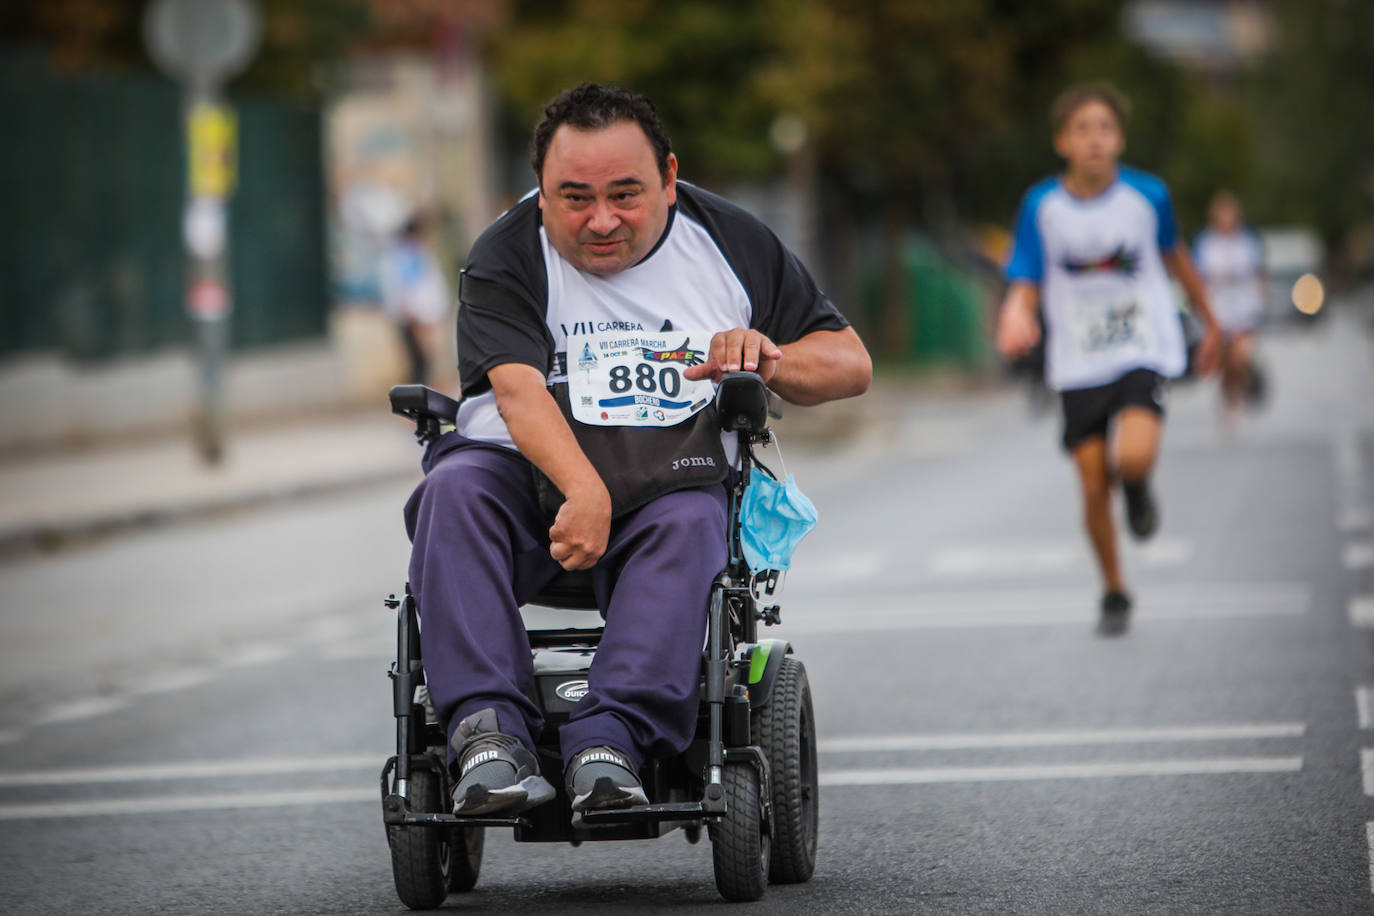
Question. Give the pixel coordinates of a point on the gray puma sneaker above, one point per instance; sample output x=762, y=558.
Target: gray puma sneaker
x=496, y=773
x=601, y=777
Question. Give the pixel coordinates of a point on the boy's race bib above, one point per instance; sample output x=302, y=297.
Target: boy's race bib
x=633, y=378
x=1099, y=327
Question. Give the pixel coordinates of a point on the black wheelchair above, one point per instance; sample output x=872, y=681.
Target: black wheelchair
x=749, y=776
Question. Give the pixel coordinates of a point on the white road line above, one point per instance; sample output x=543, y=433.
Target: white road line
x=85, y=708
x=1354, y=518
x=954, y=740
x=1369, y=832
x=171, y=681
x=1362, y=611
x=843, y=567
x=1037, y=771
x=1367, y=770
x=1072, y=609
x=379, y=647
x=195, y=769
x=927, y=775
x=181, y=803
x=254, y=654
x=915, y=600
x=1042, y=557
x=1364, y=706
x=1358, y=555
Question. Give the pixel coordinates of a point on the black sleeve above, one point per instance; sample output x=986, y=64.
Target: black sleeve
x=787, y=304
x=504, y=300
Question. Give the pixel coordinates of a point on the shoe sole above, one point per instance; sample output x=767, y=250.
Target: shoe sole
x=1114, y=623
x=606, y=793
x=479, y=800
x=605, y=798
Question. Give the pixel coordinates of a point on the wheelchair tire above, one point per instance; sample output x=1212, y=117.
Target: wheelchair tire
x=785, y=729
x=427, y=862
x=740, y=841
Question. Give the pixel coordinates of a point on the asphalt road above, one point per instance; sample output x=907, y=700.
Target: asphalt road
x=206, y=734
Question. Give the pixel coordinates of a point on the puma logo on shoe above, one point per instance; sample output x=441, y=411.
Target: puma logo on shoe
x=478, y=759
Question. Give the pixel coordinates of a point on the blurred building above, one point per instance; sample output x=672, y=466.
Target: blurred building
x=407, y=133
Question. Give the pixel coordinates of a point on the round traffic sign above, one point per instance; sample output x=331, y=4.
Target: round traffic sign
x=203, y=42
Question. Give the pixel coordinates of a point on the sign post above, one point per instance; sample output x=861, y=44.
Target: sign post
x=201, y=43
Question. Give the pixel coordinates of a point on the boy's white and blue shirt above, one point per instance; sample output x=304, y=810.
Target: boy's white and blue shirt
x=1232, y=266
x=1104, y=290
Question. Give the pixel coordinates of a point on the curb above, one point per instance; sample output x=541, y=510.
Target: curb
x=52, y=537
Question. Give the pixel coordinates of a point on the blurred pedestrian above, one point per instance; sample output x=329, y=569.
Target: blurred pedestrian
x=1230, y=259
x=1093, y=250
x=415, y=295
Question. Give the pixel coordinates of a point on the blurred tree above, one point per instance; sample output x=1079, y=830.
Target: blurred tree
x=1314, y=105
x=697, y=59
x=297, y=37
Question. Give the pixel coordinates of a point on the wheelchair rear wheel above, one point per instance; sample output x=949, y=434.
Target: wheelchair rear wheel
x=428, y=862
x=785, y=729
x=740, y=841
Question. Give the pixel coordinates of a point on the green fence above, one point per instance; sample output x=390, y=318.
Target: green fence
x=944, y=309
x=92, y=172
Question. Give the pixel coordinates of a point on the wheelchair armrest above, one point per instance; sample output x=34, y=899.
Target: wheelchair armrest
x=427, y=407
x=744, y=402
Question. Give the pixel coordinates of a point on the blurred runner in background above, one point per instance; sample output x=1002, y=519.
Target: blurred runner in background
x=415, y=296
x=1230, y=259
x=1093, y=251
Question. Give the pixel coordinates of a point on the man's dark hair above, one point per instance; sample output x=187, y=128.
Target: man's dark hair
x=593, y=107
x=1075, y=97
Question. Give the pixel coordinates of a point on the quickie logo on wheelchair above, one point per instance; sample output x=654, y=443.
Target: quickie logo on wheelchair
x=572, y=691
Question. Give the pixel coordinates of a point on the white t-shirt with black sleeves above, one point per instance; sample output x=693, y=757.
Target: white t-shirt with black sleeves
x=716, y=267
x=1105, y=293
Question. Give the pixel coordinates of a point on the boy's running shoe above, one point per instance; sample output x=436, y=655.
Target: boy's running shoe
x=1142, y=513
x=1116, y=613
x=496, y=773
x=601, y=777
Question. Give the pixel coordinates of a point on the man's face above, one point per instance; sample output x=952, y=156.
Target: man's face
x=1091, y=139
x=603, y=201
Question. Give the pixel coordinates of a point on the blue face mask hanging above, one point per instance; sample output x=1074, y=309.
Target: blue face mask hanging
x=774, y=517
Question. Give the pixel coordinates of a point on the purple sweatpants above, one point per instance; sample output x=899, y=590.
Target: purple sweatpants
x=480, y=549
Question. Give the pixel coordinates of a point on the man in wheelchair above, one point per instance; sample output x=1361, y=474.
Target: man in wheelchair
x=597, y=315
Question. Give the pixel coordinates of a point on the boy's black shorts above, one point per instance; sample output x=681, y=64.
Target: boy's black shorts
x=1088, y=412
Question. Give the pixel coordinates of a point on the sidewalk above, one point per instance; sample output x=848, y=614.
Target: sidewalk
x=54, y=499
x=58, y=498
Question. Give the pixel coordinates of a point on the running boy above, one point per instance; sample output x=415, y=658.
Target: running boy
x=1092, y=248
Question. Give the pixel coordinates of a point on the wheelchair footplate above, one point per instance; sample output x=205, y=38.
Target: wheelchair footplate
x=668, y=811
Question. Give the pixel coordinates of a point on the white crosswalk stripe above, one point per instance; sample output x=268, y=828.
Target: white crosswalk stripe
x=924, y=609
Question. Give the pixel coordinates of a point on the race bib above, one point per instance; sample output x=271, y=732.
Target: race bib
x=633, y=378
x=1100, y=327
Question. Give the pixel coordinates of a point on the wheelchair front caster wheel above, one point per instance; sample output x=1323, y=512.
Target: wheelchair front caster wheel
x=739, y=841
x=428, y=863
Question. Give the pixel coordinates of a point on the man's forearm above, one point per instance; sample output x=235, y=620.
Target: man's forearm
x=823, y=366
x=542, y=434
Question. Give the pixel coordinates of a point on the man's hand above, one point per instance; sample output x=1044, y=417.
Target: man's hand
x=735, y=350
x=581, y=528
